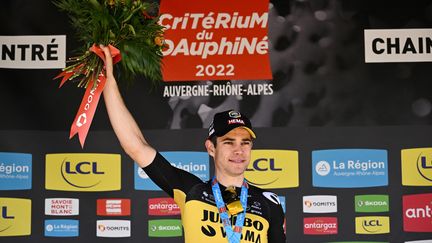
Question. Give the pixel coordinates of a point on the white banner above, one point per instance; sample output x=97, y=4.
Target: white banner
x=30, y=52
x=398, y=45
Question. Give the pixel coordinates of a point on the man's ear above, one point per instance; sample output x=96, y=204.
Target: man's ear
x=210, y=147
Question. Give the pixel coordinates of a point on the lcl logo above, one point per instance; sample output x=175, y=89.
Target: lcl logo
x=264, y=164
x=5, y=213
x=373, y=222
x=372, y=226
x=273, y=168
x=424, y=166
x=82, y=168
x=69, y=169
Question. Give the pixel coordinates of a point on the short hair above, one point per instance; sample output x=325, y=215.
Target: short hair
x=213, y=139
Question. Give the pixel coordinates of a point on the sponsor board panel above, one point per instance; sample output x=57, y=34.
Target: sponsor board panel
x=113, y=207
x=320, y=204
x=83, y=172
x=165, y=228
x=15, y=171
x=320, y=226
x=162, y=206
x=273, y=169
x=15, y=217
x=61, y=206
x=196, y=163
x=113, y=228
x=416, y=165
x=61, y=228
x=371, y=203
x=417, y=212
x=372, y=225
x=349, y=168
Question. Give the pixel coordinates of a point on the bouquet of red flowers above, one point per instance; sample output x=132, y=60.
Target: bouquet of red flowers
x=134, y=36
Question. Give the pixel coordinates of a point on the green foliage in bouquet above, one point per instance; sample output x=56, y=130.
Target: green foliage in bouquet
x=126, y=25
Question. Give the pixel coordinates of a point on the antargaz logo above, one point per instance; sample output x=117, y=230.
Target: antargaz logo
x=417, y=212
x=320, y=226
x=15, y=218
x=372, y=225
x=416, y=167
x=273, y=169
x=83, y=172
x=162, y=206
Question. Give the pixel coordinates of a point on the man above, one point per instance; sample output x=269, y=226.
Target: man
x=224, y=209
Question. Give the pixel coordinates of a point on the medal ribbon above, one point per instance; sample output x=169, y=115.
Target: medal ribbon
x=233, y=235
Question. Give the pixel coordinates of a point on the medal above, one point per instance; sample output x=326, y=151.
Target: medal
x=232, y=203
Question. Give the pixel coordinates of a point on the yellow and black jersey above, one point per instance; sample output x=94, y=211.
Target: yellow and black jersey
x=200, y=218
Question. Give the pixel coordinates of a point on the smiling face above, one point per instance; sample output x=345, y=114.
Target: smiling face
x=231, y=153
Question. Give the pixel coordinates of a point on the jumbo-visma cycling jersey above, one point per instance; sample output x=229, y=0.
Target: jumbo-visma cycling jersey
x=264, y=221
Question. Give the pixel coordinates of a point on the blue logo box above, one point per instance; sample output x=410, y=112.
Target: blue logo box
x=349, y=168
x=196, y=163
x=61, y=228
x=15, y=171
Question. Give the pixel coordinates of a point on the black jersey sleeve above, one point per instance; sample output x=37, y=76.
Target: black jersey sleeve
x=276, y=233
x=168, y=177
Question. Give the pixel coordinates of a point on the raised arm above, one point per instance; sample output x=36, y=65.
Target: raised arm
x=124, y=125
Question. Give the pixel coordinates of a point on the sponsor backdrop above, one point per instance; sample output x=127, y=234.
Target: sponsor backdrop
x=339, y=91
x=335, y=184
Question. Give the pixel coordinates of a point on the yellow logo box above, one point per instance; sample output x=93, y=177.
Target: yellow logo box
x=83, y=172
x=273, y=169
x=15, y=217
x=416, y=167
x=372, y=225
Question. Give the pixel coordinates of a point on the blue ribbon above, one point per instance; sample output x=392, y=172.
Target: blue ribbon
x=233, y=235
